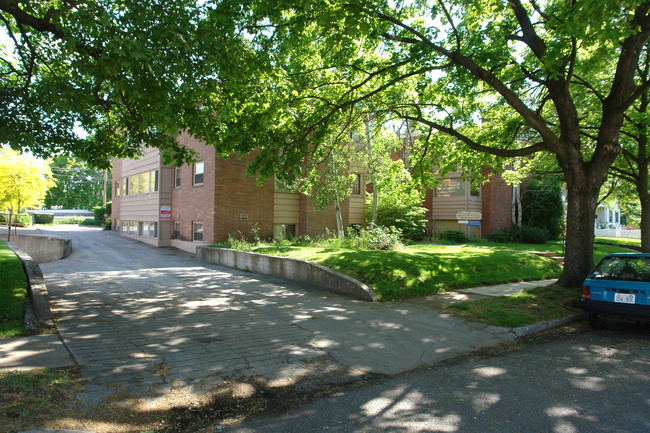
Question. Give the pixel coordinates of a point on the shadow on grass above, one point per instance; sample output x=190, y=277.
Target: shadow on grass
x=399, y=274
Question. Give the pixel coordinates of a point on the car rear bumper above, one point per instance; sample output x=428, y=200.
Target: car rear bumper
x=614, y=309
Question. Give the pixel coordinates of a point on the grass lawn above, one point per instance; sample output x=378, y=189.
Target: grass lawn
x=524, y=308
x=620, y=241
x=424, y=269
x=13, y=290
x=427, y=268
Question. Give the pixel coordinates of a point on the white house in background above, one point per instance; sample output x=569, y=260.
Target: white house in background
x=608, y=216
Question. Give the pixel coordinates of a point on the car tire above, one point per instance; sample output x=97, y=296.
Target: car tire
x=596, y=321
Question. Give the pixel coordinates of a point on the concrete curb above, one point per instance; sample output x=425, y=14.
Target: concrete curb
x=38, y=312
x=543, y=326
x=300, y=271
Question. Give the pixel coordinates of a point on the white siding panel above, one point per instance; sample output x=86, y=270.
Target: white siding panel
x=286, y=208
x=357, y=210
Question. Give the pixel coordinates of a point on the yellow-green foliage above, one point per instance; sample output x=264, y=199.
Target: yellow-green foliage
x=24, y=180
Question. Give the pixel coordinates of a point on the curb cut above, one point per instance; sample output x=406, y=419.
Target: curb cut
x=543, y=326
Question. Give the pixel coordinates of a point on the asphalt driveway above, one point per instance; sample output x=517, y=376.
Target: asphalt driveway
x=148, y=321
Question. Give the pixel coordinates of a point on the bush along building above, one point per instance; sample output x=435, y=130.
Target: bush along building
x=212, y=199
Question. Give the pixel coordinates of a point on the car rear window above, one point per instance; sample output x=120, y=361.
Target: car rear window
x=622, y=268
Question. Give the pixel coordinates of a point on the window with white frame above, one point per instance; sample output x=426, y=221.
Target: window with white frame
x=197, y=231
x=199, y=168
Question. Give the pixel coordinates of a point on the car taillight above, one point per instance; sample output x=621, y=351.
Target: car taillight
x=586, y=294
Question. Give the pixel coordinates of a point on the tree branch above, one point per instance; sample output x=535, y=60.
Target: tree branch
x=474, y=145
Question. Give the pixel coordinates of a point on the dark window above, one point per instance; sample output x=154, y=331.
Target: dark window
x=197, y=231
x=154, y=181
x=177, y=229
x=177, y=177
x=356, y=185
x=450, y=188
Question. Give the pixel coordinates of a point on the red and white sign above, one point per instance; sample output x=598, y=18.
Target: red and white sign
x=165, y=213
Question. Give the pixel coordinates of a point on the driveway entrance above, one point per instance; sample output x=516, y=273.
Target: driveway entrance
x=147, y=320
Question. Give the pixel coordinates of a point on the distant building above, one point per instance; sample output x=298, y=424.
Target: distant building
x=608, y=216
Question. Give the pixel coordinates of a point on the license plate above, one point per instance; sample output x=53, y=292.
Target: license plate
x=625, y=298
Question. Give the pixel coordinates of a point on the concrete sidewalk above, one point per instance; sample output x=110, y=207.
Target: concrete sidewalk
x=48, y=351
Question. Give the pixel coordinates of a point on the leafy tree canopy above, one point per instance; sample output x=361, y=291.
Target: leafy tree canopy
x=23, y=182
x=485, y=79
x=100, y=78
x=78, y=186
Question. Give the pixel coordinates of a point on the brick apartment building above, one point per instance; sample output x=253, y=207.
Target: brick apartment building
x=213, y=198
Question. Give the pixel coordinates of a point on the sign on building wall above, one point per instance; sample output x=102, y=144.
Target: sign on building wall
x=165, y=213
x=476, y=216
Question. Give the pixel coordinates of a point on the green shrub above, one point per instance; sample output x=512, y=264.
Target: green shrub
x=541, y=206
x=528, y=235
x=72, y=220
x=377, y=237
x=500, y=237
x=23, y=220
x=453, y=236
x=91, y=222
x=99, y=212
x=43, y=218
x=408, y=219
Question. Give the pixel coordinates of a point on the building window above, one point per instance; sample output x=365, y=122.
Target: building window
x=450, y=188
x=197, y=231
x=154, y=181
x=280, y=185
x=118, y=192
x=356, y=185
x=133, y=184
x=177, y=230
x=143, y=183
x=284, y=231
x=125, y=185
x=199, y=167
x=177, y=177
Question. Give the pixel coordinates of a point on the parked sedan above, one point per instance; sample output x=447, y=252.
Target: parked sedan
x=618, y=287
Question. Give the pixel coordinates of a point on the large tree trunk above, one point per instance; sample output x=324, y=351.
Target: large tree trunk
x=644, y=197
x=579, y=257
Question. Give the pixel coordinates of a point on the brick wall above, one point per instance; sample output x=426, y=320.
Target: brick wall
x=192, y=203
x=240, y=205
x=318, y=223
x=497, y=205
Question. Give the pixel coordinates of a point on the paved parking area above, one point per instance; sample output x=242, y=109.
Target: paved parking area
x=147, y=321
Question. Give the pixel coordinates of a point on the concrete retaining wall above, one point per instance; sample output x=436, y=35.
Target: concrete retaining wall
x=37, y=309
x=41, y=248
x=300, y=271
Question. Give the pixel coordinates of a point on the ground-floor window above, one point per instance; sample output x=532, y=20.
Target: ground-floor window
x=284, y=231
x=139, y=228
x=197, y=231
x=177, y=230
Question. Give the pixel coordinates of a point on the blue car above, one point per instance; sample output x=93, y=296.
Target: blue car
x=618, y=287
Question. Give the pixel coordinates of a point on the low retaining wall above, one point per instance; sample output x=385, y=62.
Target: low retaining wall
x=299, y=271
x=42, y=248
x=37, y=309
